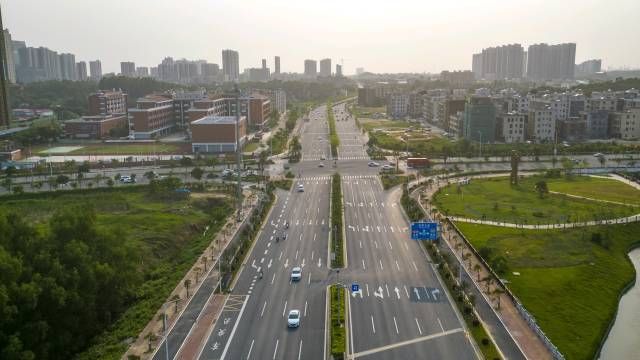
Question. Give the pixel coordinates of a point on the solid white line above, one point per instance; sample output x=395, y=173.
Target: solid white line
x=396, y=324
x=414, y=265
x=373, y=326
x=404, y=343
x=233, y=331
x=263, y=307
x=250, y=348
x=275, y=351
x=419, y=330
x=440, y=322
x=273, y=279
x=300, y=350
x=285, y=308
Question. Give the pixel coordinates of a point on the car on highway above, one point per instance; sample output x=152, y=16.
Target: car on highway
x=321, y=165
x=300, y=188
x=598, y=155
x=296, y=273
x=373, y=164
x=127, y=180
x=387, y=167
x=293, y=320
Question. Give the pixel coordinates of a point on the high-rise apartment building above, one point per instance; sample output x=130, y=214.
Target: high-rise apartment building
x=497, y=63
x=589, y=67
x=276, y=65
x=550, y=62
x=142, y=71
x=128, y=69
x=81, y=71
x=4, y=97
x=338, y=70
x=68, y=66
x=310, y=67
x=264, y=63
x=230, y=65
x=325, y=67
x=95, y=70
x=10, y=68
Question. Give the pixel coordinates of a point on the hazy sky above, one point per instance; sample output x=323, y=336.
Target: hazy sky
x=381, y=36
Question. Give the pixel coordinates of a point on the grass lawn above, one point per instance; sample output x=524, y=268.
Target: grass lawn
x=371, y=110
x=567, y=281
x=495, y=199
x=370, y=124
x=251, y=146
x=126, y=149
x=597, y=188
x=167, y=234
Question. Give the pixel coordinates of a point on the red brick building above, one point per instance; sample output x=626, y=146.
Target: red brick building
x=95, y=127
x=153, y=116
x=106, y=102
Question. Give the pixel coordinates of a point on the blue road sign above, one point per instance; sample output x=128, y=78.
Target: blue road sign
x=355, y=287
x=424, y=230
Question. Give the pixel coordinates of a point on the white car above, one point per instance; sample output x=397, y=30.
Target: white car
x=300, y=188
x=598, y=155
x=293, y=320
x=387, y=167
x=296, y=273
x=321, y=165
x=373, y=164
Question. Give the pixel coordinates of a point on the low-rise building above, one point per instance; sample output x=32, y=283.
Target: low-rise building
x=105, y=102
x=398, y=105
x=513, y=127
x=597, y=123
x=573, y=129
x=217, y=134
x=625, y=125
x=154, y=116
x=95, y=126
x=541, y=123
x=479, y=120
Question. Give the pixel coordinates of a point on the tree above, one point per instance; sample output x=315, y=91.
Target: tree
x=541, y=188
x=497, y=292
x=110, y=182
x=187, y=283
x=7, y=183
x=476, y=268
x=602, y=159
x=62, y=179
x=18, y=189
x=197, y=173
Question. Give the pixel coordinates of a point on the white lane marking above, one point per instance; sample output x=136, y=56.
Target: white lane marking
x=381, y=267
x=305, y=308
x=440, y=322
x=418, y=324
x=233, y=331
x=266, y=251
x=314, y=235
x=387, y=287
x=263, y=307
x=250, y=348
x=309, y=282
x=275, y=351
x=397, y=291
x=396, y=324
x=261, y=260
x=312, y=255
x=273, y=279
x=286, y=263
x=406, y=291
x=285, y=308
x=280, y=257
x=360, y=244
x=270, y=263
x=296, y=254
x=397, y=265
x=367, y=286
x=414, y=265
x=375, y=243
x=406, y=247
x=363, y=267
x=391, y=247
x=300, y=350
x=300, y=237
x=373, y=326
x=415, y=290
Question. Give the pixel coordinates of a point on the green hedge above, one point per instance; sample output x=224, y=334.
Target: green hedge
x=338, y=330
x=333, y=134
x=336, y=221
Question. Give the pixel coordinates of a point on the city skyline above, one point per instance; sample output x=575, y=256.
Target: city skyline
x=393, y=50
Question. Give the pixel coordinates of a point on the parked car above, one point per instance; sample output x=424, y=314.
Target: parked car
x=293, y=320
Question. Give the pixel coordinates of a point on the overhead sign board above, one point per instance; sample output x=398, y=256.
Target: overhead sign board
x=424, y=230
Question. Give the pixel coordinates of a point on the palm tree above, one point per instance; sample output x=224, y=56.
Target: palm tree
x=187, y=283
x=477, y=268
x=498, y=293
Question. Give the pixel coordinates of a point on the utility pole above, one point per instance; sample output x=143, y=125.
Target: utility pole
x=4, y=73
x=238, y=154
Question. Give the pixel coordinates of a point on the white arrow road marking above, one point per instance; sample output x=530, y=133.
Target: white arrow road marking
x=297, y=222
x=303, y=264
x=352, y=228
x=348, y=203
x=314, y=237
x=379, y=293
x=435, y=293
x=391, y=227
x=271, y=238
x=415, y=290
x=390, y=246
x=361, y=244
x=397, y=292
x=378, y=227
x=375, y=243
x=312, y=255
x=322, y=222
x=300, y=237
x=319, y=262
x=382, y=204
x=381, y=267
x=266, y=251
x=397, y=265
x=355, y=293
x=310, y=222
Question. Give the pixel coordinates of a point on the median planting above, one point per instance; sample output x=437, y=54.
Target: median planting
x=338, y=331
x=336, y=222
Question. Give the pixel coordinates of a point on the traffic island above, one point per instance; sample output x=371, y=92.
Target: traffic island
x=338, y=333
x=337, y=224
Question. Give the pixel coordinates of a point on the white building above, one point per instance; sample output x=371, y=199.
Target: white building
x=398, y=105
x=513, y=127
x=541, y=123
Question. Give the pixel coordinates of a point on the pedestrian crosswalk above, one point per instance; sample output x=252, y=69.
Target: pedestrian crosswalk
x=353, y=158
x=313, y=157
x=344, y=177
